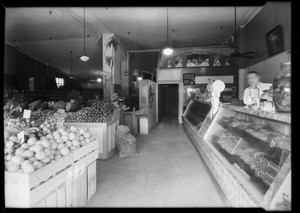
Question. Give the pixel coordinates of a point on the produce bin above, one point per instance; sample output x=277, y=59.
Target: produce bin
x=105, y=133
x=53, y=185
x=129, y=118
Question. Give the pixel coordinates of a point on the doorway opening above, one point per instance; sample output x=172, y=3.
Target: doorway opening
x=168, y=100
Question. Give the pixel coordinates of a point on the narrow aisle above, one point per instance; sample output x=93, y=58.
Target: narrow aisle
x=168, y=172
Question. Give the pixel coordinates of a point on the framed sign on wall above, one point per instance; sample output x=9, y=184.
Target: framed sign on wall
x=275, y=42
x=188, y=78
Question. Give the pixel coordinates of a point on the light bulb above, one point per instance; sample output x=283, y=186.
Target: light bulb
x=139, y=78
x=99, y=80
x=84, y=58
x=168, y=51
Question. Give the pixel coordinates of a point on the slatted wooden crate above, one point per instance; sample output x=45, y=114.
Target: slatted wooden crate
x=105, y=133
x=52, y=185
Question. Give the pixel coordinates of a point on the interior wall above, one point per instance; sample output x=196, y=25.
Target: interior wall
x=19, y=68
x=271, y=15
x=254, y=33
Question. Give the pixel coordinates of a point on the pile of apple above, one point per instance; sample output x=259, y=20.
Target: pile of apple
x=36, y=152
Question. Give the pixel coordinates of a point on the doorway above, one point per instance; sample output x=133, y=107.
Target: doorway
x=168, y=100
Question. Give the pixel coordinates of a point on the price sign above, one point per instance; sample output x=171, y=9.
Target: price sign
x=61, y=111
x=60, y=124
x=21, y=136
x=26, y=113
x=189, y=79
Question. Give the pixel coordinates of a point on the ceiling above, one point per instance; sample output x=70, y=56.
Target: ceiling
x=50, y=36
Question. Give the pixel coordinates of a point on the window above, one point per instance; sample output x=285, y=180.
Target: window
x=60, y=82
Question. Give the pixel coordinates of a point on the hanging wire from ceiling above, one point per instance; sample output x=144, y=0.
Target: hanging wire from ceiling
x=167, y=26
x=84, y=30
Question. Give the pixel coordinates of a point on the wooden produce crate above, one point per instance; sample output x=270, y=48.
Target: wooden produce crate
x=105, y=133
x=52, y=185
x=129, y=118
x=25, y=190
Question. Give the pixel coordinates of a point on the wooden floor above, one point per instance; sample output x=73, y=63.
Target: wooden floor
x=167, y=173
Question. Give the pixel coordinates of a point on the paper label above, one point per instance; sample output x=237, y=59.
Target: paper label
x=60, y=124
x=21, y=136
x=61, y=111
x=26, y=113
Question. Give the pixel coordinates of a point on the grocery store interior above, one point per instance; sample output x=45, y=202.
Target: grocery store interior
x=148, y=106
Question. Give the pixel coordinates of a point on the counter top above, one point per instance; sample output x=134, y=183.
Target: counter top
x=283, y=117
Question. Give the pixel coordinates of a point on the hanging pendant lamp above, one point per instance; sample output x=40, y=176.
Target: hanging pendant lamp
x=84, y=57
x=71, y=76
x=168, y=50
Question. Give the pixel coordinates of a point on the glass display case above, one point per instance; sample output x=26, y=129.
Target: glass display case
x=257, y=149
x=196, y=113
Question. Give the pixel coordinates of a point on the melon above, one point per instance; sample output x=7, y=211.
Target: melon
x=25, y=146
x=8, y=157
x=27, y=154
x=19, y=151
x=69, y=143
x=40, y=155
x=37, y=164
x=26, y=162
x=81, y=131
x=60, y=146
x=72, y=136
x=17, y=160
x=45, y=143
x=73, y=129
x=47, y=152
x=33, y=159
x=65, y=138
x=37, y=148
x=46, y=160
x=86, y=135
x=53, y=145
x=28, y=168
x=59, y=141
x=50, y=136
x=13, y=168
x=75, y=143
x=14, y=139
x=64, y=151
x=9, y=144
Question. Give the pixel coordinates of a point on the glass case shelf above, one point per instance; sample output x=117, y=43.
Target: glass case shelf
x=256, y=148
x=196, y=113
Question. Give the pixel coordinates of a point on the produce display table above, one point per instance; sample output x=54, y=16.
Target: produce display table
x=105, y=133
x=67, y=182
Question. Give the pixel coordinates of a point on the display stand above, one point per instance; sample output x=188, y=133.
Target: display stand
x=147, y=105
x=56, y=184
x=105, y=133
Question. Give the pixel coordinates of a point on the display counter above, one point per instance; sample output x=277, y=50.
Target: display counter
x=196, y=113
x=247, y=151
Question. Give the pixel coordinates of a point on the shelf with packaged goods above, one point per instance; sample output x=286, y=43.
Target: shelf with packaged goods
x=254, y=145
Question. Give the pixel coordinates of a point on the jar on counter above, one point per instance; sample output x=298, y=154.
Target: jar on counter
x=282, y=88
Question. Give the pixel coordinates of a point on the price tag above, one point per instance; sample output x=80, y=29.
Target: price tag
x=21, y=136
x=61, y=111
x=26, y=113
x=60, y=124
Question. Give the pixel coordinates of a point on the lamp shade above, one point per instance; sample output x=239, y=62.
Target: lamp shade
x=168, y=51
x=84, y=58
